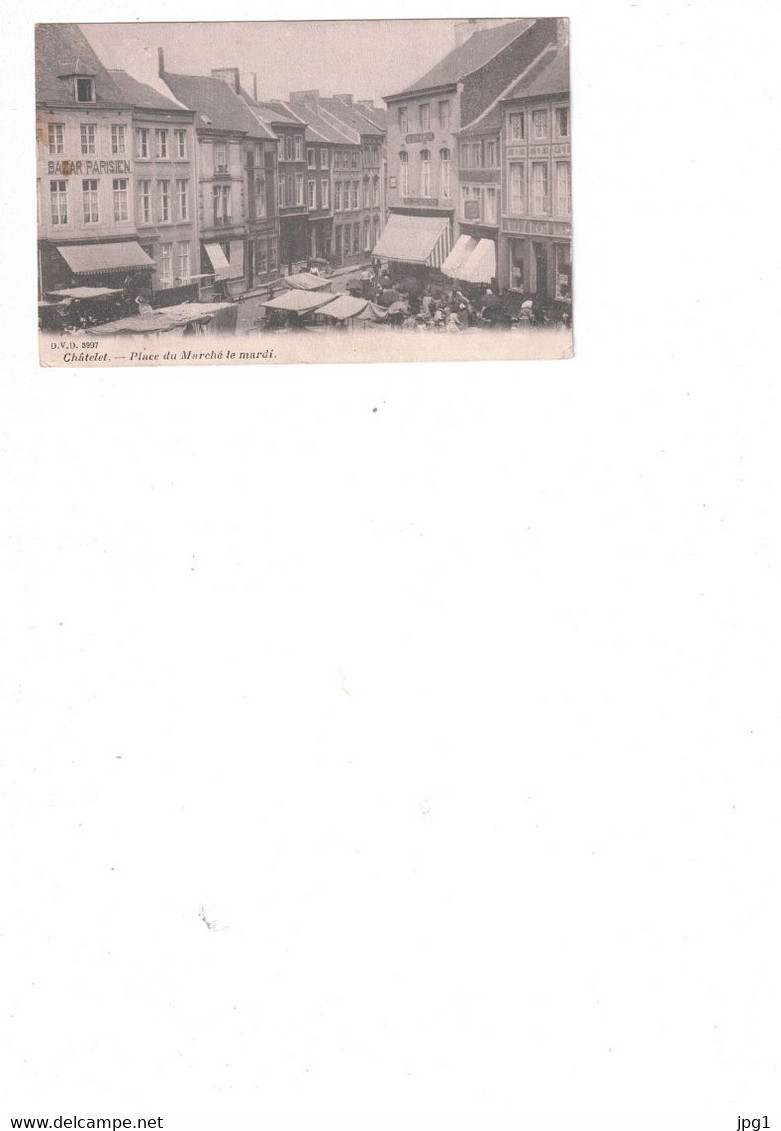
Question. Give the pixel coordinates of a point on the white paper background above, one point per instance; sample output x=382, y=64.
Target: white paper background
x=460, y=718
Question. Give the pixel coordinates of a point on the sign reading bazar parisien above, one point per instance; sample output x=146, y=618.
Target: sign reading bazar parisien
x=88, y=167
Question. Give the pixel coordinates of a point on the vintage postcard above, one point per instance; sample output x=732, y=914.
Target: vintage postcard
x=257, y=193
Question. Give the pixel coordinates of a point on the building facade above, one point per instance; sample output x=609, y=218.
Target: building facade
x=291, y=181
x=163, y=187
x=87, y=235
x=362, y=170
x=424, y=126
x=536, y=213
x=236, y=165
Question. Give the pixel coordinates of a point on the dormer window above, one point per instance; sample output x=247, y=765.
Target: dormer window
x=85, y=89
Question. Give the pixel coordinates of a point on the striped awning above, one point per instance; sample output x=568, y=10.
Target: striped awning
x=223, y=267
x=415, y=239
x=100, y=258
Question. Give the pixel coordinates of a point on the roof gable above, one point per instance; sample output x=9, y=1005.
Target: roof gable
x=549, y=74
x=474, y=53
x=62, y=50
x=216, y=106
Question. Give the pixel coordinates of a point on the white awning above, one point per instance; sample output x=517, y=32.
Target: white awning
x=480, y=267
x=104, y=258
x=463, y=248
x=223, y=267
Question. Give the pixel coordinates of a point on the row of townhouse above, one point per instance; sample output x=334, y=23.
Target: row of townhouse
x=479, y=173
x=194, y=181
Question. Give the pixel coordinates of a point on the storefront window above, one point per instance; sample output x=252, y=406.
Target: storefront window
x=564, y=271
x=516, y=265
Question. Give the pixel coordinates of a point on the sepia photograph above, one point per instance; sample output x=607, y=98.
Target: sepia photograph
x=231, y=193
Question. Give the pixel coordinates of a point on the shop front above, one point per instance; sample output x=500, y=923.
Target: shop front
x=95, y=281
x=536, y=261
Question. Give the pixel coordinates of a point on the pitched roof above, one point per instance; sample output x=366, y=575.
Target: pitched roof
x=549, y=74
x=474, y=53
x=215, y=104
x=273, y=110
x=349, y=115
x=61, y=50
x=140, y=94
x=489, y=122
x=378, y=116
x=318, y=128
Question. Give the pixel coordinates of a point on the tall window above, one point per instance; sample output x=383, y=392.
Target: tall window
x=563, y=188
x=490, y=205
x=161, y=143
x=356, y=202
x=310, y=159
x=85, y=90
x=180, y=141
x=348, y=239
x=337, y=196
x=118, y=140
x=165, y=264
x=288, y=147
x=471, y=202
x=273, y=253
x=281, y=191
x=517, y=187
x=367, y=193
x=562, y=121
x=290, y=191
x=260, y=195
x=87, y=139
x=58, y=191
x=120, y=187
x=56, y=137
x=477, y=154
x=375, y=191
x=444, y=173
x=222, y=205
x=164, y=199
x=89, y=192
x=466, y=157
x=324, y=194
x=356, y=159
x=444, y=115
x=404, y=159
x=540, y=124
x=145, y=201
x=424, y=116
x=220, y=157
x=367, y=236
x=183, y=261
x=183, y=198
x=425, y=172
x=539, y=187
x=261, y=257
x=403, y=124
x=516, y=127
x=299, y=188
x=142, y=143
x=490, y=155
x=323, y=158
x=311, y=194
x=299, y=147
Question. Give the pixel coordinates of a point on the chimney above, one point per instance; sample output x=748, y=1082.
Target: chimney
x=160, y=62
x=562, y=31
x=255, y=85
x=367, y=102
x=348, y=98
x=310, y=98
x=230, y=75
x=463, y=29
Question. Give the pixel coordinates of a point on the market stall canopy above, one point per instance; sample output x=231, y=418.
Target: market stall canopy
x=166, y=318
x=297, y=302
x=462, y=249
x=415, y=239
x=306, y=282
x=224, y=269
x=373, y=313
x=480, y=267
x=85, y=292
x=344, y=307
x=94, y=258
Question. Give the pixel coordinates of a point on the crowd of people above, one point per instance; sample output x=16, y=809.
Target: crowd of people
x=415, y=305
